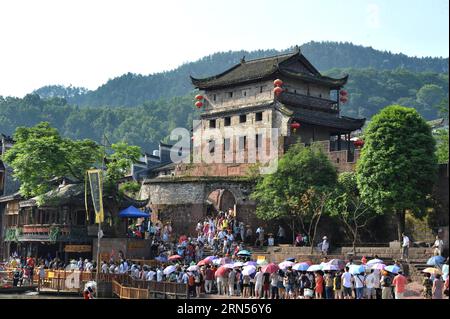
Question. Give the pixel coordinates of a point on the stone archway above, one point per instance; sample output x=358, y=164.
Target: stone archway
x=220, y=199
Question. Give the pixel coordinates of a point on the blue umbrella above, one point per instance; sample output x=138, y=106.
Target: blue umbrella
x=291, y=259
x=244, y=253
x=357, y=269
x=162, y=259
x=301, y=267
x=435, y=261
x=392, y=269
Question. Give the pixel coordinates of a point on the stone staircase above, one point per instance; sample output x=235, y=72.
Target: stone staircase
x=416, y=266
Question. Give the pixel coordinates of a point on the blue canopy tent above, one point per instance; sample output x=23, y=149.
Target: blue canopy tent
x=133, y=212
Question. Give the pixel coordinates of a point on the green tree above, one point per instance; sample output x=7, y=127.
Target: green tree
x=40, y=155
x=397, y=168
x=346, y=204
x=441, y=137
x=295, y=192
x=430, y=95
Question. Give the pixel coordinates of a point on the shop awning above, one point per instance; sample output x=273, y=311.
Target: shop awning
x=133, y=212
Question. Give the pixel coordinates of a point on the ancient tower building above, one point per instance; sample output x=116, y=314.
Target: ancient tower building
x=283, y=92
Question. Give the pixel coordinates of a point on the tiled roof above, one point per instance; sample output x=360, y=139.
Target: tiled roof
x=343, y=123
x=293, y=65
x=312, y=102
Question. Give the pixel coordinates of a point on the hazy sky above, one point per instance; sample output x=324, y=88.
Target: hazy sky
x=86, y=42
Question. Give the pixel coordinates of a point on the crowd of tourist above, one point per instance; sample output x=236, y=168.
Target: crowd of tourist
x=217, y=261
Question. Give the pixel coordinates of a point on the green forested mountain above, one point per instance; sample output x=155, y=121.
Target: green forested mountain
x=134, y=89
x=142, y=110
x=144, y=125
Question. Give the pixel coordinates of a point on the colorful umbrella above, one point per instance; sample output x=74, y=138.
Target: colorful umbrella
x=169, y=269
x=175, y=257
x=314, y=268
x=357, y=269
x=244, y=253
x=374, y=261
x=435, y=261
x=248, y=270
x=392, y=269
x=203, y=262
x=339, y=263
x=222, y=261
x=192, y=268
x=270, y=268
x=330, y=267
x=309, y=262
x=285, y=264
x=229, y=266
x=378, y=266
x=301, y=266
x=433, y=271
x=221, y=272
x=250, y=263
x=238, y=264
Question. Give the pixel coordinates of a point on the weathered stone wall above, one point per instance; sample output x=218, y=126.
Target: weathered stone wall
x=253, y=95
x=184, y=202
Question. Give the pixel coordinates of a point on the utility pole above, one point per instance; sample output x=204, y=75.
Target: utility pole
x=100, y=233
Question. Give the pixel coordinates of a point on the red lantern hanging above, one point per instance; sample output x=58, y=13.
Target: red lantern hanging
x=277, y=91
x=199, y=97
x=343, y=99
x=277, y=82
x=199, y=104
x=295, y=125
x=343, y=93
x=358, y=143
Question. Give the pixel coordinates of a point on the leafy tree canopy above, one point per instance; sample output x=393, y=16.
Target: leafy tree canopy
x=298, y=170
x=397, y=168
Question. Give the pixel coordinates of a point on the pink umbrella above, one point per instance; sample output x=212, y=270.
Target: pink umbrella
x=205, y=261
x=270, y=268
x=285, y=264
x=378, y=266
x=221, y=272
x=175, y=257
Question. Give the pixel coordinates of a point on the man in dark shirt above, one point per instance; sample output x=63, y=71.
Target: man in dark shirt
x=209, y=278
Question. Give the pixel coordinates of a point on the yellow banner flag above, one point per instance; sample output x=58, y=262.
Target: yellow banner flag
x=95, y=182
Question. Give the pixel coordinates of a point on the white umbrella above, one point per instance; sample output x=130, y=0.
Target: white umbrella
x=313, y=268
x=169, y=269
x=231, y=266
x=330, y=267
x=238, y=264
x=193, y=268
x=91, y=284
x=248, y=270
x=262, y=262
x=374, y=261
x=285, y=264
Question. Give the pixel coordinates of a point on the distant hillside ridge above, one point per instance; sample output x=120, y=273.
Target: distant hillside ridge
x=129, y=90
